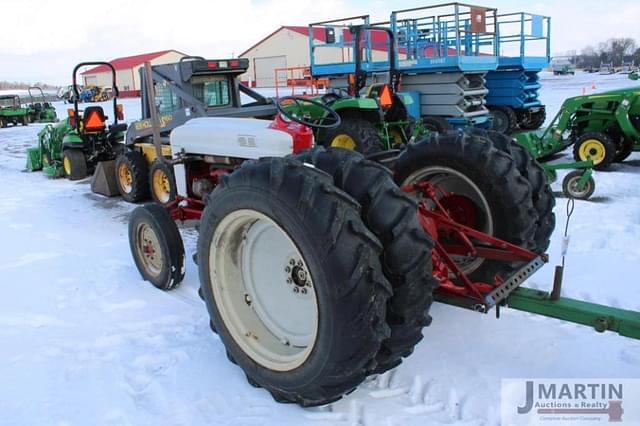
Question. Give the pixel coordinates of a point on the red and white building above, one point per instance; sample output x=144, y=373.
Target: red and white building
x=127, y=71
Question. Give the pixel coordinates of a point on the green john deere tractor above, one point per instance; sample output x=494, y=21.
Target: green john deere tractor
x=12, y=111
x=75, y=146
x=41, y=111
x=375, y=117
x=602, y=128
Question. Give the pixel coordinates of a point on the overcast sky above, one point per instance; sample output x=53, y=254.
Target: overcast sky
x=41, y=40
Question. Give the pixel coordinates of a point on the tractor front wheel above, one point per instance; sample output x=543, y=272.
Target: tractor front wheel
x=132, y=176
x=292, y=281
x=356, y=134
x=156, y=246
x=162, y=182
x=597, y=147
x=571, y=186
x=74, y=164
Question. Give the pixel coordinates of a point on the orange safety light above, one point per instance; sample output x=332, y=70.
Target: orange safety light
x=386, y=99
x=72, y=117
x=93, y=121
x=120, y=112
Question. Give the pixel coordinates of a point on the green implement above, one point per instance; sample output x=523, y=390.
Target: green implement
x=601, y=318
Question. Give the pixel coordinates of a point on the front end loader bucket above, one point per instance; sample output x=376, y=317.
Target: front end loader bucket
x=34, y=160
x=103, y=181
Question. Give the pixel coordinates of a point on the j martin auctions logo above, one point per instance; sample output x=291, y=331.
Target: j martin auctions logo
x=577, y=398
x=570, y=401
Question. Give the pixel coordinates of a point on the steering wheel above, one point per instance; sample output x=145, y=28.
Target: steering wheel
x=293, y=108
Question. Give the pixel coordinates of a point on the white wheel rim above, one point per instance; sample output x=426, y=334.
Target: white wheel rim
x=263, y=290
x=452, y=181
x=573, y=187
x=149, y=249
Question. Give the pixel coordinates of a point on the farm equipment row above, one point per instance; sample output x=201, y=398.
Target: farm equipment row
x=318, y=266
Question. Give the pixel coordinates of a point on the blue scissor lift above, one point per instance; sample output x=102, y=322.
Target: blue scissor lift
x=444, y=52
x=524, y=46
x=442, y=59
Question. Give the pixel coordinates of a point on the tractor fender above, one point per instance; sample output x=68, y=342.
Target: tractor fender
x=72, y=138
x=72, y=145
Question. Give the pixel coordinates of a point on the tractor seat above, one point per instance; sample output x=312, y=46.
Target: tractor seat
x=93, y=119
x=120, y=127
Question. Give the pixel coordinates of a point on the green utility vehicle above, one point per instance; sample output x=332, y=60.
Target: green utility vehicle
x=12, y=111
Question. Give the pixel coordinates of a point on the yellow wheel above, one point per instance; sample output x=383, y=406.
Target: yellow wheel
x=355, y=134
x=125, y=178
x=67, y=166
x=597, y=147
x=74, y=164
x=343, y=141
x=132, y=176
x=162, y=181
x=593, y=149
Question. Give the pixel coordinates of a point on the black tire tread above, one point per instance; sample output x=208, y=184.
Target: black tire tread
x=78, y=163
x=167, y=230
x=333, y=222
x=494, y=170
x=542, y=195
x=362, y=131
x=139, y=168
x=392, y=216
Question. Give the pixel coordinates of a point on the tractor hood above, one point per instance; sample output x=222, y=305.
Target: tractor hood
x=245, y=138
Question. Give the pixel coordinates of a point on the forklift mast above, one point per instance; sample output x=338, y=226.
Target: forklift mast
x=196, y=87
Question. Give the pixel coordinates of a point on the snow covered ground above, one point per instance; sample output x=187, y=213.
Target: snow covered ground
x=84, y=341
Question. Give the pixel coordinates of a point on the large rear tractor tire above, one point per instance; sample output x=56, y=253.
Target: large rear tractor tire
x=132, y=176
x=541, y=193
x=504, y=119
x=156, y=246
x=292, y=281
x=162, y=182
x=74, y=164
x=481, y=188
x=392, y=216
x=356, y=134
x=598, y=147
